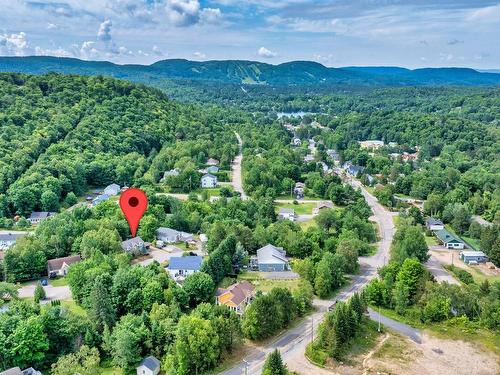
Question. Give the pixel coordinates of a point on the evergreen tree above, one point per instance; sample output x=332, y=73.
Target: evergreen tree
x=39, y=293
x=274, y=364
x=101, y=311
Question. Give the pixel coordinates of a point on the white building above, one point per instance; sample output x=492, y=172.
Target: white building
x=374, y=144
x=286, y=214
x=208, y=181
x=9, y=239
x=113, y=189
x=37, y=217
x=60, y=266
x=184, y=266
x=149, y=366
x=170, y=235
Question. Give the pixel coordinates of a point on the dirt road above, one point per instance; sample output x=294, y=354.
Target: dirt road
x=237, y=181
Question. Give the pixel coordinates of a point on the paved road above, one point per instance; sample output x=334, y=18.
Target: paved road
x=292, y=343
x=236, y=168
x=413, y=333
x=441, y=275
x=51, y=292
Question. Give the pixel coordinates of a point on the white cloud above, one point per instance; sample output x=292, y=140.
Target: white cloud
x=58, y=52
x=183, y=12
x=199, y=55
x=157, y=51
x=210, y=15
x=104, y=32
x=264, y=52
x=88, y=51
x=14, y=44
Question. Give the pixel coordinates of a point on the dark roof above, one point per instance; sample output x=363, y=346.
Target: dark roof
x=240, y=291
x=41, y=215
x=185, y=263
x=432, y=221
x=151, y=363
x=56, y=264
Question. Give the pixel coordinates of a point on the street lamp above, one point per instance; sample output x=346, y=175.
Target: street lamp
x=379, y=318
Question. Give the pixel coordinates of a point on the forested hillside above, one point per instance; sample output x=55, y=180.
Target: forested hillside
x=62, y=134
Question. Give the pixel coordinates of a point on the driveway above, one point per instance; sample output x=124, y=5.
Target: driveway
x=284, y=275
x=436, y=268
x=52, y=292
x=404, y=329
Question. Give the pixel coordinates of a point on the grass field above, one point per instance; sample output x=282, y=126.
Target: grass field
x=431, y=241
x=262, y=284
x=60, y=281
x=73, y=307
x=305, y=225
x=300, y=209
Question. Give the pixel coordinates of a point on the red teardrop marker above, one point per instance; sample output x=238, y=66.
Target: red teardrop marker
x=133, y=203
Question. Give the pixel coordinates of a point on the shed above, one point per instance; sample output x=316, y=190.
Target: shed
x=473, y=256
x=149, y=366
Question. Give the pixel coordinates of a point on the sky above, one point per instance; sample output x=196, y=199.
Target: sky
x=409, y=33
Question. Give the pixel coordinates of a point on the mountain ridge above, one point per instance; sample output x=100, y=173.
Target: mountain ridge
x=292, y=73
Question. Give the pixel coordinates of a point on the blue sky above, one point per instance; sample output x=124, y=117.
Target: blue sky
x=412, y=33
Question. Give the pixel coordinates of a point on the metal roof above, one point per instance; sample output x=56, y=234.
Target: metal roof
x=185, y=263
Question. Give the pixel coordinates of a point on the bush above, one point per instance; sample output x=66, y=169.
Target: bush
x=39, y=293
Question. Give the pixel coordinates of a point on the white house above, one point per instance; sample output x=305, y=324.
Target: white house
x=170, y=235
x=113, y=189
x=374, y=144
x=9, y=239
x=272, y=258
x=296, y=141
x=37, y=217
x=171, y=173
x=149, y=366
x=212, y=162
x=184, y=266
x=434, y=224
x=208, y=181
x=286, y=214
x=60, y=266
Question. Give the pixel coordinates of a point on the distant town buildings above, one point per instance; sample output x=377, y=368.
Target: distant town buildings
x=372, y=145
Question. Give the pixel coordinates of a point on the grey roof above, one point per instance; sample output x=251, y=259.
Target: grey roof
x=185, y=263
x=11, y=236
x=151, y=363
x=446, y=236
x=56, y=264
x=131, y=243
x=113, y=186
x=41, y=214
x=432, y=221
x=100, y=198
x=271, y=254
x=208, y=175
x=12, y=371
x=473, y=254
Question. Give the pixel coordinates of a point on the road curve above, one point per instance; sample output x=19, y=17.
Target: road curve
x=292, y=343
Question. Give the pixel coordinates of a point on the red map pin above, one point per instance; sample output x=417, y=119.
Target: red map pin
x=133, y=203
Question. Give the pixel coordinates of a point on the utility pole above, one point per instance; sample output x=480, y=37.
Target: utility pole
x=312, y=328
x=291, y=186
x=378, y=318
x=246, y=367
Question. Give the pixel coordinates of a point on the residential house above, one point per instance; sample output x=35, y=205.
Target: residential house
x=9, y=239
x=208, y=181
x=113, y=189
x=237, y=296
x=434, y=224
x=334, y=155
x=448, y=240
x=296, y=141
x=99, y=199
x=409, y=157
x=286, y=214
x=370, y=179
x=271, y=258
x=60, y=266
x=394, y=155
x=149, y=366
x=18, y=371
x=353, y=170
x=212, y=162
x=299, y=189
x=171, y=173
x=393, y=144
x=308, y=158
x=184, y=266
x=374, y=144
x=213, y=169
x=135, y=246
x=322, y=205
x=37, y=217
x=169, y=235
x=473, y=257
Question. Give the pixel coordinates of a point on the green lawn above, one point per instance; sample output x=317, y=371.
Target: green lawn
x=431, y=241
x=108, y=369
x=262, y=284
x=60, y=281
x=300, y=209
x=305, y=225
x=73, y=307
